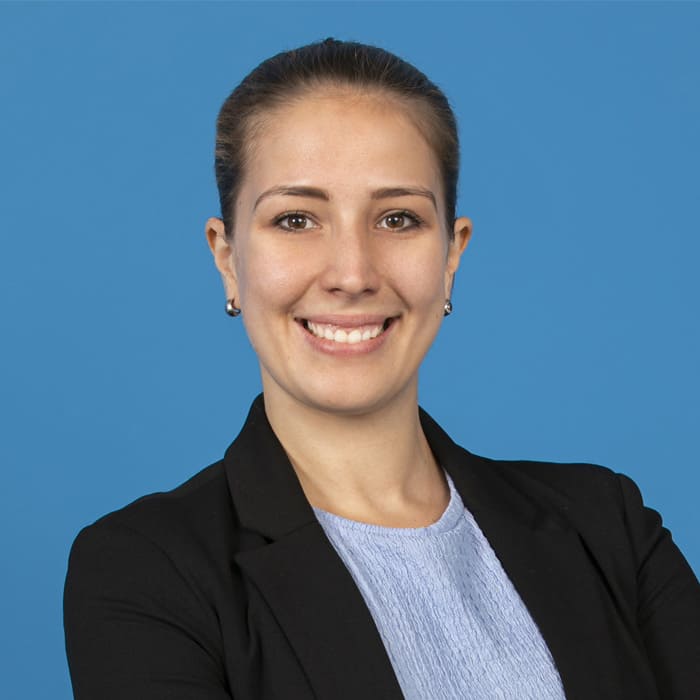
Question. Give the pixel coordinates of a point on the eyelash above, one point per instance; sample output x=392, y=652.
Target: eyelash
x=414, y=219
x=277, y=221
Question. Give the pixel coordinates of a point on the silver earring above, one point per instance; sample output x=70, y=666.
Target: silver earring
x=231, y=308
x=447, y=309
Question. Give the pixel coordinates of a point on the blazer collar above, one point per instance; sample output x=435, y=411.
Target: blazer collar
x=264, y=486
x=269, y=498
x=323, y=614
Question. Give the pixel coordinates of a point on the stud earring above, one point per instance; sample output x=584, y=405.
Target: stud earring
x=447, y=309
x=231, y=308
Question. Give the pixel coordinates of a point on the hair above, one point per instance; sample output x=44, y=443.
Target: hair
x=292, y=75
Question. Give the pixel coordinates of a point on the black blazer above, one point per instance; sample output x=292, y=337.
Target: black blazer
x=227, y=587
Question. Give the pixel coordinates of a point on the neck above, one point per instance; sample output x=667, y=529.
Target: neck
x=375, y=467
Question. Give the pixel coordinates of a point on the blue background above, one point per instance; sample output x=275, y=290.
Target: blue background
x=575, y=333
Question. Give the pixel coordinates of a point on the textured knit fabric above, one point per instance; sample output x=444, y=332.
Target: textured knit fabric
x=453, y=624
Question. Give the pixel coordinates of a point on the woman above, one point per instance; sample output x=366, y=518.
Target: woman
x=345, y=547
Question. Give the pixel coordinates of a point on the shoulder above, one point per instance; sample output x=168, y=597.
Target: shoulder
x=196, y=503
x=599, y=509
x=579, y=484
x=565, y=477
x=186, y=526
x=591, y=498
x=606, y=508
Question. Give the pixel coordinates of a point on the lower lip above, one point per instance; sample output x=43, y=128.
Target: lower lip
x=330, y=347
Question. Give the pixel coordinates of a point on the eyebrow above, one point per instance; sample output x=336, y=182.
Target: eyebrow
x=387, y=192
x=313, y=192
x=318, y=193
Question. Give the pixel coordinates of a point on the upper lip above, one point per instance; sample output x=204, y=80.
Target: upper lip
x=348, y=320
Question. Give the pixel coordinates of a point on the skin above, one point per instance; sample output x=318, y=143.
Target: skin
x=350, y=255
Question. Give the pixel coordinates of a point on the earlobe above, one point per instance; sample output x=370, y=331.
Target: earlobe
x=222, y=250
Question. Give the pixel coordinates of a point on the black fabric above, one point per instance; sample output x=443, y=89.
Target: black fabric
x=227, y=586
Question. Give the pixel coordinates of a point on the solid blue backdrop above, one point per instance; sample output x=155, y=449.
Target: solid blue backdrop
x=575, y=333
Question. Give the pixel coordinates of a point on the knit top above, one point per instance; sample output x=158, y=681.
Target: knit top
x=452, y=623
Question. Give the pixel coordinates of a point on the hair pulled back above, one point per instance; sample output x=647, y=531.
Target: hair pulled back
x=290, y=75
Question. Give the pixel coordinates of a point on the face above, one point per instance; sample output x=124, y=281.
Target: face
x=339, y=259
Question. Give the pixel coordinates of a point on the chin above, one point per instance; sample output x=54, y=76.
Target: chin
x=348, y=400
x=350, y=393
x=345, y=407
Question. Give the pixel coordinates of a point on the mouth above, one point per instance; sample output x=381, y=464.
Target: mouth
x=348, y=334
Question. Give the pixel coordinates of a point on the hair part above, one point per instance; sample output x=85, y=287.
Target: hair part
x=330, y=64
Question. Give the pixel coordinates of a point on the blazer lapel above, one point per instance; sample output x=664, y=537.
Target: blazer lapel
x=300, y=575
x=548, y=564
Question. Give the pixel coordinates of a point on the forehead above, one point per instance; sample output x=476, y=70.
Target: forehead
x=342, y=140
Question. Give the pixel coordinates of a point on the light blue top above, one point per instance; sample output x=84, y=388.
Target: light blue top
x=452, y=623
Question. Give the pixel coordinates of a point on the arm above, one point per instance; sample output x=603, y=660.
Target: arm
x=668, y=609
x=135, y=627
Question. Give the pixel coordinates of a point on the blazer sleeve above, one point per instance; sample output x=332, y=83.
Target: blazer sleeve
x=134, y=626
x=668, y=606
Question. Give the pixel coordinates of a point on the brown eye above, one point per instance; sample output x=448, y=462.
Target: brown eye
x=294, y=222
x=395, y=220
x=400, y=221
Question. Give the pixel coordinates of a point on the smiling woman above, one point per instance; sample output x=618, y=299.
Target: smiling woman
x=344, y=546
x=339, y=233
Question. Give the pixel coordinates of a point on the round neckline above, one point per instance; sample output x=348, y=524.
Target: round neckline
x=446, y=522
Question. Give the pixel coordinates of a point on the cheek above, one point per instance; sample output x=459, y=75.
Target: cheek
x=271, y=278
x=420, y=278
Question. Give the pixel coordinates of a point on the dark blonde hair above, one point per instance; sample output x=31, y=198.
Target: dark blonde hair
x=291, y=75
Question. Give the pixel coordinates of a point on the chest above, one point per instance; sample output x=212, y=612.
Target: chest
x=302, y=629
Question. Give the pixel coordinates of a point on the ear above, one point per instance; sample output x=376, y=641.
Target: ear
x=462, y=232
x=222, y=250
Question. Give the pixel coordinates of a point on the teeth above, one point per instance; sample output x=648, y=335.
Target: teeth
x=344, y=335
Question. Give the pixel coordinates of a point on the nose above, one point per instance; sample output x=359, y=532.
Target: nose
x=351, y=262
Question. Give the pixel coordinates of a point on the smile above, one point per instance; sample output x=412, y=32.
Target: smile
x=350, y=335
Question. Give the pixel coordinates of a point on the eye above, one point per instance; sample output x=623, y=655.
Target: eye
x=294, y=221
x=400, y=221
